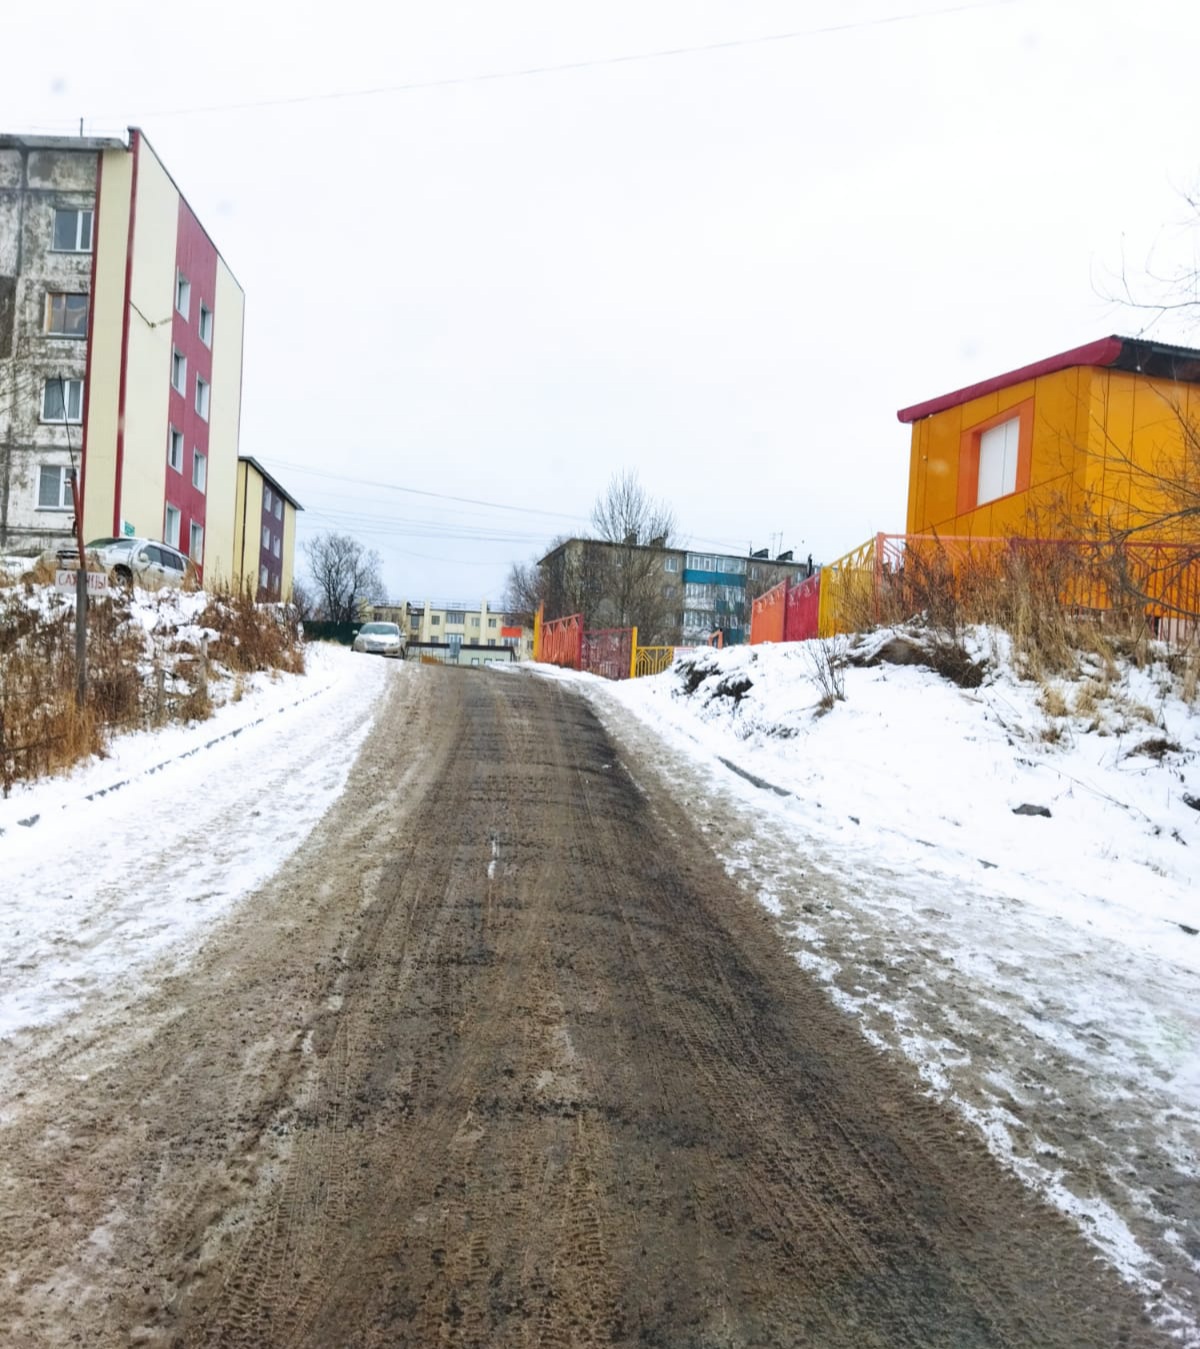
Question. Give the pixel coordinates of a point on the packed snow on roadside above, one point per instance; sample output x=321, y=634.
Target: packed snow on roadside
x=130, y=858
x=1041, y=970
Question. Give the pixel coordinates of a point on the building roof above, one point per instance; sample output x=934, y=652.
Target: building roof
x=274, y=482
x=667, y=548
x=15, y=141
x=1156, y=359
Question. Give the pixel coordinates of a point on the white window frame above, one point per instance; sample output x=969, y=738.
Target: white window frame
x=174, y=449
x=278, y=506
x=172, y=523
x=203, y=397
x=64, y=502
x=178, y=371
x=200, y=463
x=196, y=542
x=266, y=536
x=267, y=499
x=204, y=324
x=183, y=294
x=71, y=392
x=80, y=213
x=264, y=578
x=670, y=564
x=276, y=546
x=999, y=447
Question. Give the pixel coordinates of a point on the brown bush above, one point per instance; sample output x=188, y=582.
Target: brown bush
x=252, y=637
x=130, y=684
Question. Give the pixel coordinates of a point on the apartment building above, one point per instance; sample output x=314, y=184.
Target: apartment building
x=120, y=353
x=670, y=594
x=264, y=533
x=464, y=631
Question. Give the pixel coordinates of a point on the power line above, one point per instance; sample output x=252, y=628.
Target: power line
x=417, y=491
x=565, y=67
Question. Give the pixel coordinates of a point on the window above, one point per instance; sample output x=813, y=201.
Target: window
x=474, y=620
x=206, y=325
x=183, y=294
x=175, y=449
x=263, y=577
x=266, y=536
x=670, y=564
x=436, y=621
x=202, y=389
x=171, y=526
x=491, y=641
x=266, y=500
x=72, y=232
x=66, y=314
x=199, y=470
x=275, y=545
x=62, y=400
x=491, y=622
x=54, y=489
x=178, y=372
x=196, y=543
x=455, y=616
x=998, y=447
x=278, y=506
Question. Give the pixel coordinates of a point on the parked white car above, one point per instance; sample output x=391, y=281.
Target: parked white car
x=148, y=562
x=380, y=639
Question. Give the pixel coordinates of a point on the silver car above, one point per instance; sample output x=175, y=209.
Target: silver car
x=380, y=639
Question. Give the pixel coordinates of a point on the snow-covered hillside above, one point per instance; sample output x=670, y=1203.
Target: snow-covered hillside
x=1041, y=970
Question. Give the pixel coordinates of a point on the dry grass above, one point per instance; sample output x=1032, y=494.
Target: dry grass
x=133, y=682
x=1057, y=603
x=251, y=637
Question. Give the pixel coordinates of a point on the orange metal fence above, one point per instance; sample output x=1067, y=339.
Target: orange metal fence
x=560, y=641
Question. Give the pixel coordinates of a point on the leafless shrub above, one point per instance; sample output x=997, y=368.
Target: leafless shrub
x=827, y=664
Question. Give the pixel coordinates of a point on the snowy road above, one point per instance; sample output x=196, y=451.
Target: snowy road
x=500, y=1057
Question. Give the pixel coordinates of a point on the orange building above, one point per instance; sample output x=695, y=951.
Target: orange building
x=1085, y=443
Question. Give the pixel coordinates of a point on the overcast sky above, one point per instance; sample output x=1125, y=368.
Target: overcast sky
x=723, y=268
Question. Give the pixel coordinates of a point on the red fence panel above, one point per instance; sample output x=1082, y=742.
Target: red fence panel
x=802, y=610
x=562, y=642
x=767, y=615
x=608, y=652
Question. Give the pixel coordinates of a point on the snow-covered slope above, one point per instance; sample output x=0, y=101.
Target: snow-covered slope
x=1041, y=971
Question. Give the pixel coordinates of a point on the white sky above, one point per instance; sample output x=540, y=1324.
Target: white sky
x=726, y=269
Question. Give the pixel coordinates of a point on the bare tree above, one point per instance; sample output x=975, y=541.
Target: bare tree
x=344, y=573
x=626, y=514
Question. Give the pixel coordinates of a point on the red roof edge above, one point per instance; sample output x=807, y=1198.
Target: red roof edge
x=1102, y=352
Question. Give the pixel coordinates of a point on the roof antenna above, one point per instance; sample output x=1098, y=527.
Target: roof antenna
x=81, y=126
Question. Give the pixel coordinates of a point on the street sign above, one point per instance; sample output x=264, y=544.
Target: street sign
x=97, y=582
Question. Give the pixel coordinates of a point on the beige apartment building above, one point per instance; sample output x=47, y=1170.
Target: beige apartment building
x=463, y=634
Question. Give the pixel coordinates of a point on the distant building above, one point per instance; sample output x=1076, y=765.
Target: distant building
x=264, y=533
x=120, y=350
x=465, y=632
x=671, y=594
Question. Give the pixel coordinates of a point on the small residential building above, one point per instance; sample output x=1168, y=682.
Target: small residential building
x=120, y=352
x=459, y=627
x=264, y=533
x=1084, y=443
x=672, y=594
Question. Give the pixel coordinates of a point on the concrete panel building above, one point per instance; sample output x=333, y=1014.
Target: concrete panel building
x=120, y=351
x=459, y=627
